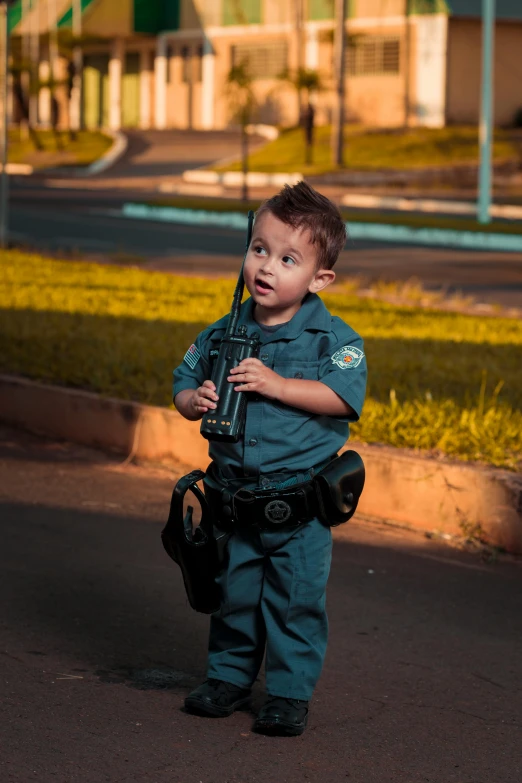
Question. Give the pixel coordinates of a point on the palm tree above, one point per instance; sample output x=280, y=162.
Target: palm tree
x=306, y=82
x=242, y=103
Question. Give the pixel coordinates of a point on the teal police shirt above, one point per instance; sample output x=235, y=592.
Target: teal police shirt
x=280, y=439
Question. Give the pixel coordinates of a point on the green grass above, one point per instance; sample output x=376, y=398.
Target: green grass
x=412, y=220
x=415, y=148
x=441, y=382
x=88, y=147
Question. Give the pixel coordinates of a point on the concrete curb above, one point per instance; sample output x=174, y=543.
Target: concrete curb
x=18, y=169
x=194, y=217
x=436, y=237
x=109, y=158
x=234, y=179
x=459, y=174
x=114, y=153
x=438, y=496
x=435, y=206
x=380, y=232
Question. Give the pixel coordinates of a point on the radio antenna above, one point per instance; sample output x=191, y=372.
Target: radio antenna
x=240, y=285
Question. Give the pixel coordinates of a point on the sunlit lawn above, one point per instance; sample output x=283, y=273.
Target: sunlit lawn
x=370, y=150
x=442, y=382
x=57, y=151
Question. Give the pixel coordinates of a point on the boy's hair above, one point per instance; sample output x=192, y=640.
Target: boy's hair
x=300, y=206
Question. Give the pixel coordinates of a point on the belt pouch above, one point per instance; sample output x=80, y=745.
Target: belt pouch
x=340, y=485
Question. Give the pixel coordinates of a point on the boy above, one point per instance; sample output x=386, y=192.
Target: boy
x=306, y=386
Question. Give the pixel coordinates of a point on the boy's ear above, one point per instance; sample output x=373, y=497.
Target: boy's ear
x=322, y=278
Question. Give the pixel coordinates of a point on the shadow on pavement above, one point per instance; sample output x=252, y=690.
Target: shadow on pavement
x=422, y=679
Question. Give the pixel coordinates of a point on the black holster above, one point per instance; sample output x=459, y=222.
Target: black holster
x=332, y=495
x=197, y=550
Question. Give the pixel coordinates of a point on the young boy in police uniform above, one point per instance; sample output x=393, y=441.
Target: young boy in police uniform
x=306, y=386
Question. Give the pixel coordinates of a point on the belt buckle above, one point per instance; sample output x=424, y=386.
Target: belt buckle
x=278, y=513
x=272, y=510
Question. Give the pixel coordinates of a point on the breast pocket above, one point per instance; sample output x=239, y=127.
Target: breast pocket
x=307, y=371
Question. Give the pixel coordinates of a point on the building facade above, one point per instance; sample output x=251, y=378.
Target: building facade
x=164, y=63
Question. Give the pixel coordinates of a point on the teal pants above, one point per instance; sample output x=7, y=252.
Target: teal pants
x=273, y=598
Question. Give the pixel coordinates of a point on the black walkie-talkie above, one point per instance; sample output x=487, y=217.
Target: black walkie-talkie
x=227, y=421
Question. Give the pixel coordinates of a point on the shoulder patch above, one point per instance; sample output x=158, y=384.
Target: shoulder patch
x=192, y=356
x=348, y=357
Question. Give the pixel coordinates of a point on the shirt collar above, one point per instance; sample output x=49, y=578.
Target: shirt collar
x=312, y=316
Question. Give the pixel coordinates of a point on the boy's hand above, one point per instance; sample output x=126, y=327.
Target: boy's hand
x=253, y=375
x=204, y=397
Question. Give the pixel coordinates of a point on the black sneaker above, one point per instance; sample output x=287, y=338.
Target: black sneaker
x=216, y=699
x=282, y=717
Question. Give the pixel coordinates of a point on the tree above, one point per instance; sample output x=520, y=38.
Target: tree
x=242, y=103
x=306, y=82
x=23, y=85
x=339, y=52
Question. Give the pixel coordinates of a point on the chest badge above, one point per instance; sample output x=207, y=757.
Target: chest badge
x=348, y=357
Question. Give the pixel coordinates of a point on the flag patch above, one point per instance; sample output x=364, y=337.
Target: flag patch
x=192, y=356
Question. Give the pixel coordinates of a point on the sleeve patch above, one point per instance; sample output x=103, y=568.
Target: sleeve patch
x=192, y=356
x=348, y=357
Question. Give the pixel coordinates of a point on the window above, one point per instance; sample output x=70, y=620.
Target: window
x=241, y=11
x=186, y=61
x=170, y=56
x=265, y=61
x=371, y=55
x=198, y=64
x=321, y=9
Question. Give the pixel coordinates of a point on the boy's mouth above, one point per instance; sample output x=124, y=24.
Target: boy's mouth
x=262, y=286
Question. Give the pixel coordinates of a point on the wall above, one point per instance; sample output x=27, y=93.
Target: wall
x=464, y=71
x=430, y=76
x=378, y=9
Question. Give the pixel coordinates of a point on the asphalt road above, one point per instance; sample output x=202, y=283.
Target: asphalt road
x=422, y=681
x=89, y=221
x=82, y=216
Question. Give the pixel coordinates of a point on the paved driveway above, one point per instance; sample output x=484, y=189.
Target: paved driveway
x=153, y=154
x=422, y=681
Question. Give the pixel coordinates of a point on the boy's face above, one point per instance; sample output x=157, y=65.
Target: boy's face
x=280, y=269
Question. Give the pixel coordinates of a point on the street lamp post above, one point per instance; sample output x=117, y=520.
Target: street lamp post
x=338, y=118
x=77, y=60
x=4, y=183
x=486, y=111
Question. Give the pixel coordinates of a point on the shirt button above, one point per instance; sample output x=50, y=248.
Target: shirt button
x=264, y=357
x=298, y=375
x=252, y=442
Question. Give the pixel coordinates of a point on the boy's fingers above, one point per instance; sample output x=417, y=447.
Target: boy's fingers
x=244, y=378
x=245, y=364
x=207, y=393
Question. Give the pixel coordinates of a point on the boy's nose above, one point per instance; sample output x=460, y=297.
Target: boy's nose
x=267, y=265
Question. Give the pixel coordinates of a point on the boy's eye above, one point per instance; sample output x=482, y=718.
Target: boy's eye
x=287, y=259
x=259, y=250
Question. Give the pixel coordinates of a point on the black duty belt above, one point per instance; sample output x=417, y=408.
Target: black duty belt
x=267, y=509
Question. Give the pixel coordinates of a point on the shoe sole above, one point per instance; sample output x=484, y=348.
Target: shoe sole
x=276, y=729
x=197, y=707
